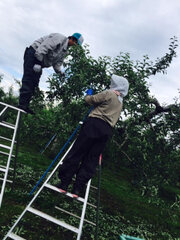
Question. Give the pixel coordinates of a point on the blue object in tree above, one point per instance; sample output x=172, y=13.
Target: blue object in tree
x=89, y=92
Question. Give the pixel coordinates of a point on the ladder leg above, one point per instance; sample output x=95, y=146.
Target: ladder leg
x=35, y=196
x=16, y=154
x=9, y=158
x=98, y=198
x=84, y=210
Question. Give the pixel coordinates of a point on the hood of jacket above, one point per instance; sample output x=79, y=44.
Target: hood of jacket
x=119, y=84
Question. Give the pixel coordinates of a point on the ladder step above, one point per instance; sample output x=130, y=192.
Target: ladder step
x=7, y=154
x=8, y=139
x=2, y=169
x=94, y=187
x=7, y=125
x=10, y=106
x=2, y=179
x=67, y=194
x=15, y=237
x=85, y=220
x=4, y=146
x=52, y=219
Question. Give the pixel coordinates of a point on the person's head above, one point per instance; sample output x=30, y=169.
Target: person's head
x=119, y=84
x=76, y=38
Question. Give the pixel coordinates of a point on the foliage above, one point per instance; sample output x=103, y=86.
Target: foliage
x=147, y=135
x=144, y=150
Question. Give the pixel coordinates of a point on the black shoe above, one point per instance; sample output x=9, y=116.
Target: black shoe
x=75, y=193
x=78, y=190
x=62, y=187
x=26, y=109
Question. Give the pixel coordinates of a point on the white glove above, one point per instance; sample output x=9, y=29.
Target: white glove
x=37, y=68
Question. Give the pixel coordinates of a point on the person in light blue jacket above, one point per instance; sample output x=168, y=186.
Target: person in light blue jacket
x=45, y=52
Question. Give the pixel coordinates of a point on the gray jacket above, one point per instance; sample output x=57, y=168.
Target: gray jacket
x=51, y=50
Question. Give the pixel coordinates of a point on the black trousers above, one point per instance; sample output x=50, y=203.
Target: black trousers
x=83, y=158
x=30, y=78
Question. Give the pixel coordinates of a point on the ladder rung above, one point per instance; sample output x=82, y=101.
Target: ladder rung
x=7, y=125
x=7, y=105
x=8, y=139
x=85, y=220
x=5, y=153
x=52, y=219
x=92, y=205
x=2, y=179
x=15, y=237
x=67, y=194
x=93, y=187
x=5, y=167
x=2, y=169
x=4, y=146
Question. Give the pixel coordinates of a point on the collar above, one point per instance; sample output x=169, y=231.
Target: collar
x=117, y=93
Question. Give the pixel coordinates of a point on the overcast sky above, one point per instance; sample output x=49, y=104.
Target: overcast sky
x=140, y=27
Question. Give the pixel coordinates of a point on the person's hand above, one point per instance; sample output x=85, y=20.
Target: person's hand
x=89, y=92
x=37, y=68
x=62, y=74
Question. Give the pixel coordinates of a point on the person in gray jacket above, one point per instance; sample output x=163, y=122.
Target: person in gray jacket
x=45, y=52
x=83, y=157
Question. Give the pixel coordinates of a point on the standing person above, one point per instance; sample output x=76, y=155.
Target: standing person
x=45, y=52
x=82, y=159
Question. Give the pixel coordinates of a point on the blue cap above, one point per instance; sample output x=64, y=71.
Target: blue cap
x=79, y=38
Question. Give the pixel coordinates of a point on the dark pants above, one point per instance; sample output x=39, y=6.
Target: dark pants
x=30, y=78
x=83, y=158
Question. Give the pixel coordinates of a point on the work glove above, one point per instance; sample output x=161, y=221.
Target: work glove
x=89, y=92
x=37, y=68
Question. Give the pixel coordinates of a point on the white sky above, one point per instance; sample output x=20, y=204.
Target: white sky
x=140, y=27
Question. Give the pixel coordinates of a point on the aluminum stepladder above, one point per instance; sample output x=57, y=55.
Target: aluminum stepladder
x=41, y=214
x=6, y=149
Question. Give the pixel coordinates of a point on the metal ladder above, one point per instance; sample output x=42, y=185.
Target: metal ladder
x=50, y=218
x=7, y=144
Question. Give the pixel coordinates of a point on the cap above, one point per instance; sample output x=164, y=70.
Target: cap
x=79, y=38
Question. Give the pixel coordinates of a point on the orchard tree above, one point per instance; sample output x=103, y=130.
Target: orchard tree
x=146, y=137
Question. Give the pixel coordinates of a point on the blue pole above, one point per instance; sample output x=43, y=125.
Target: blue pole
x=62, y=149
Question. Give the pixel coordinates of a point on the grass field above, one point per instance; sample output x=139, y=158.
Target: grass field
x=124, y=209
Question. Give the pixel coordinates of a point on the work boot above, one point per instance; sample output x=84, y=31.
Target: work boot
x=26, y=109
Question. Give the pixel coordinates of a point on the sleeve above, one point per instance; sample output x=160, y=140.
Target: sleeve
x=97, y=98
x=50, y=43
x=57, y=67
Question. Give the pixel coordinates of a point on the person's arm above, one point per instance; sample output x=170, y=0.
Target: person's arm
x=49, y=44
x=97, y=98
x=57, y=66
